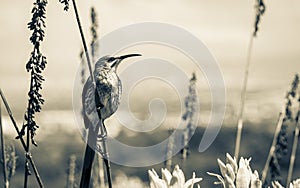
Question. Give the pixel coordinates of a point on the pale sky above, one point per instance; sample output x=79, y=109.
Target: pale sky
x=224, y=26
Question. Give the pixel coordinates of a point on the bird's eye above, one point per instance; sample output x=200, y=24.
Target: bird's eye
x=111, y=59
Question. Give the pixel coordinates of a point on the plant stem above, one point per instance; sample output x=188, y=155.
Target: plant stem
x=105, y=152
x=243, y=98
x=6, y=182
x=273, y=146
x=260, y=9
x=170, y=150
x=106, y=160
x=89, y=152
x=84, y=44
x=71, y=172
x=29, y=119
x=294, y=149
x=28, y=156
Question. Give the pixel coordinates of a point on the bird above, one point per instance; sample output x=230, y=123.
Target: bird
x=98, y=104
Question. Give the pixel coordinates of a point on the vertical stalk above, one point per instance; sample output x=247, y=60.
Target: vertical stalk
x=35, y=65
x=105, y=158
x=6, y=182
x=71, y=172
x=98, y=169
x=105, y=152
x=273, y=146
x=243, y=98
x=26, y=173
x=260, y=10
x=170, y=151
x=294, y=149
x=84, y=44
x=26, y=161
x=185, y=146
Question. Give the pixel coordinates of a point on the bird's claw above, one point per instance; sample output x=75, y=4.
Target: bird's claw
x=99, y=150
x=102, y=137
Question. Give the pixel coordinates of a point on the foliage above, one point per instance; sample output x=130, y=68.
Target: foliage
x=36, y=64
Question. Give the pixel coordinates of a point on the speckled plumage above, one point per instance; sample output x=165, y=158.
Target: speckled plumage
x=109, y=89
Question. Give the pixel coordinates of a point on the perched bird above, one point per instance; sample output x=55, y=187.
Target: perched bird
x=99, y=105
x=108, y=87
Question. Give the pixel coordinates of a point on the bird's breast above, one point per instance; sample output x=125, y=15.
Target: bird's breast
x=109, y=89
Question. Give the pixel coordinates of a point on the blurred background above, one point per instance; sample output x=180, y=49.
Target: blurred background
x=224, y=26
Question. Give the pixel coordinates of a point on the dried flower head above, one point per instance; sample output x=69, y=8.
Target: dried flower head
x=94, y=27
x=11, y=161
x=190, y=115
x=260, y=10
x=66, y=3
x=36, y=64
x=281, y=148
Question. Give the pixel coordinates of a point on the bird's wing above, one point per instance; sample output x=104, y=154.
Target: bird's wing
x=90, y=116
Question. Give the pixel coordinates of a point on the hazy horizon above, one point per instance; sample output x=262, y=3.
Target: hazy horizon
x=224, y=27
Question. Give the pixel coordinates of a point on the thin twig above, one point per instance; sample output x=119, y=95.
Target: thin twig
x=243, y=98
x=106, y=160
x=169, y=152
x=84, y=44
x=260, y=9
x=6, y=182
x=28, y=156
x=294, y=149
x=29, y=118
x=89, y=152
x=273, y=146
x=98, y=168
x=105, y=152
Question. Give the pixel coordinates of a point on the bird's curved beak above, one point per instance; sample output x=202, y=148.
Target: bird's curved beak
x=127, y=56
x=120, y=58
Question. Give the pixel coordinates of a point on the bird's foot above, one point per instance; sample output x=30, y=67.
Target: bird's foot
x=99, y=150
x=102, y=137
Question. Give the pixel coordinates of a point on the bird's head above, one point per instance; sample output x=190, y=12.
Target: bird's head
x=112, y=62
